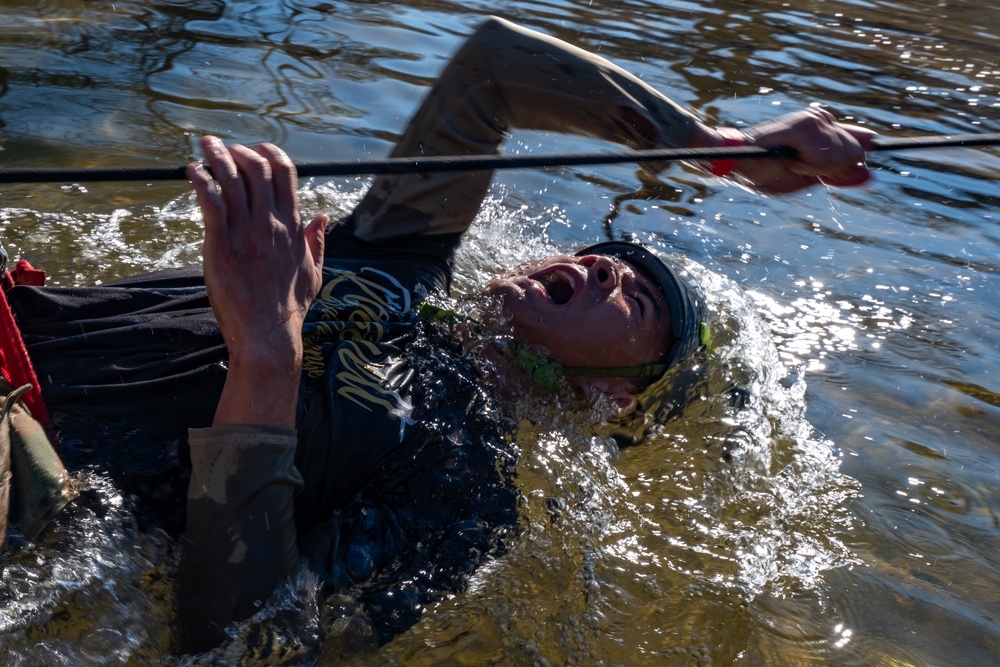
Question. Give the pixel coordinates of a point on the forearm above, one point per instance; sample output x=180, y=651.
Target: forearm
x=262, y=384
x=262, y=268
x=508, y=77
x=240, y=541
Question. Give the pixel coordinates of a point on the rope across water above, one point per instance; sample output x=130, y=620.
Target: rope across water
x=479, y=162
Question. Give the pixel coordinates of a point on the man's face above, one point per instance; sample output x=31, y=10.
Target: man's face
x=592, y=310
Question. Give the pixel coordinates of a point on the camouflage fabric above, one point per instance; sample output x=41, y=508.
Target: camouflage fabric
x=35, y=486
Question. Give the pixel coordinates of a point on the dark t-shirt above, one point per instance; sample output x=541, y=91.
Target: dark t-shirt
x=405, y=459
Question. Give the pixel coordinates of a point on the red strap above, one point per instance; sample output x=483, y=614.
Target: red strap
x=25, y=274
x=17, y=368
x=730, y=137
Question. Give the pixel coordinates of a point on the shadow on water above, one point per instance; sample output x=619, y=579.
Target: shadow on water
x=865, y=535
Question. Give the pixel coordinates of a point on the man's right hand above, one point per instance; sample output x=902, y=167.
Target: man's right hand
x=262, y=270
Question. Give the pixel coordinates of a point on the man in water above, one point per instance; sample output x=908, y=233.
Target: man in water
x=329, y=420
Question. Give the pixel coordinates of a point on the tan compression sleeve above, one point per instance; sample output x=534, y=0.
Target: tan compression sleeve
x=240, y=540
x=506, y=77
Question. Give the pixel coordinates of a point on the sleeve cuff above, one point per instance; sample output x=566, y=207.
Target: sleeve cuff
x=242, y=434
x=232, y=463
x=730, y=137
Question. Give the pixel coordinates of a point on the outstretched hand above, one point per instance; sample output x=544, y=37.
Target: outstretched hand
x=828, y=152
x=262, y=269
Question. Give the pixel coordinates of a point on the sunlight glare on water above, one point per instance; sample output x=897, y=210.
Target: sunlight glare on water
x=829, y=493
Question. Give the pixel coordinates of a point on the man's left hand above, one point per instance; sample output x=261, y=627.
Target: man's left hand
x=828, y=152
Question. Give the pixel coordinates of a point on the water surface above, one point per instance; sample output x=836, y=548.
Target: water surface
x=849, y=515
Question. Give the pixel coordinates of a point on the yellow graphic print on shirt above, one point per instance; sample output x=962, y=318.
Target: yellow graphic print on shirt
x=351, y=312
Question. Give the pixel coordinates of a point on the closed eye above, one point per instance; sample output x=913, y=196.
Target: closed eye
x=639, y=302
x=646, y=299
x=642, y=293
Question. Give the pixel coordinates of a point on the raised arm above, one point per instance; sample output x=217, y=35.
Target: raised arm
x=262, y=269
x=506, y=77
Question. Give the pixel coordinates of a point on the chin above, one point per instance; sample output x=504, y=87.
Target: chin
x=505, y=291
x=502, y=310
x=493, y=309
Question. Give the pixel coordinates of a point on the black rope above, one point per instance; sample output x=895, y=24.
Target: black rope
x=400, y=165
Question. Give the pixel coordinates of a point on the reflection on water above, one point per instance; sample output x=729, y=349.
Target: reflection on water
x=733, y=535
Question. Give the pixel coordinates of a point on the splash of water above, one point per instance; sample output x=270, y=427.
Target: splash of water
x=734, y=503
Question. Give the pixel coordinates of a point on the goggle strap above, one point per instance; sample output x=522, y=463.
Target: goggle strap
x=643, y=371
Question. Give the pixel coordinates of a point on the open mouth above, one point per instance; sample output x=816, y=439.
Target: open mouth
x=559, y=285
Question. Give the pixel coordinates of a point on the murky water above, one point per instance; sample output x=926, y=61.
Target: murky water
x=847, y=513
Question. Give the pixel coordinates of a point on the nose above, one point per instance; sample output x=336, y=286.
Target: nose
x=602, y=271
